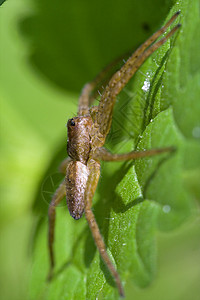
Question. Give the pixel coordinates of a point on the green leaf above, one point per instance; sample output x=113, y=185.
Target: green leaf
x=148, y=195
x=54, y=52
x=2, y=1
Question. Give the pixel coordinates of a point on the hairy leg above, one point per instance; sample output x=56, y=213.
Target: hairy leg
x=58, y=196
x=91, y=89
x=122, y=77
x=84, y=99
x=94, y=172
x=103, y=154
x=146, y=44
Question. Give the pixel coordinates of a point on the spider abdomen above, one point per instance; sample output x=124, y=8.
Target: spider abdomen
x=76, y=179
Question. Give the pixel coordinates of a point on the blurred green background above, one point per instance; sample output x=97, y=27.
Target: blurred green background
x=48, y=51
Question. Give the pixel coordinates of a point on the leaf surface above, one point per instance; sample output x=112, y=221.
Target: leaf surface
x=159, y=107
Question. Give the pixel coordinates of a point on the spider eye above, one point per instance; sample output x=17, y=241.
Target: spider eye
x=72, y=123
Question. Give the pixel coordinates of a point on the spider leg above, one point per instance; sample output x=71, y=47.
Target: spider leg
x=147, y=43
x=90, y=91
x=121, y=77
x=84, y=99
x=93, y=112
x=58, y=196
x=104, y=76
x=64, y=164
x=104, y=154
x=93, y=178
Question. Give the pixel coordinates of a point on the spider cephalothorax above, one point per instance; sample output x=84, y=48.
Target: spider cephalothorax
x=79, y=138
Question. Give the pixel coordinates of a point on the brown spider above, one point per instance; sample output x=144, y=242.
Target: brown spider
x=86, y=136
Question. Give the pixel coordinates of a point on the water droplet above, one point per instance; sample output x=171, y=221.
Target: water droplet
x=166, y=208
x=146, y=85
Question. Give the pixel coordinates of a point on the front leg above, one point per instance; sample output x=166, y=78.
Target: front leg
x=103, y=154
x=122, y=77
x=93, y=178
x=57, y=197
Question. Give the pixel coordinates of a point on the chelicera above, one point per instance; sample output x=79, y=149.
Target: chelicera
x=86, y=136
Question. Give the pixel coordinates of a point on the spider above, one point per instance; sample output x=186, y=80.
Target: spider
x=86, y=136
